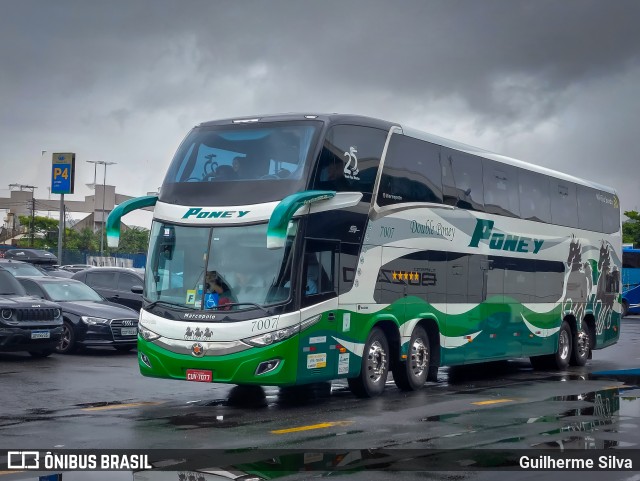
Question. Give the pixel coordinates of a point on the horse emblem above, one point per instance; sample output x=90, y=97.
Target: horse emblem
x=607, y=288
x=579, y=281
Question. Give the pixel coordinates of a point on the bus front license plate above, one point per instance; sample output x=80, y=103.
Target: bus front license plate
x=40, y=335
x=199, y=375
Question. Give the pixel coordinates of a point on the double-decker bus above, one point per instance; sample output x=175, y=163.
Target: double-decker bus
x=630, y=281
x=294, y=249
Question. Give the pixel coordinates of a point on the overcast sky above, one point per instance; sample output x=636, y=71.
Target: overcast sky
x=555, y=83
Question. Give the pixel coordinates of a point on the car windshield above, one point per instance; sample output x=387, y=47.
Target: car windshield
x=70, y=291
x=9, y=285
x=19, y=269
x=217, y=267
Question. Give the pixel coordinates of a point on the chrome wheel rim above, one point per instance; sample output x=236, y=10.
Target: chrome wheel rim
x=376, y=362
x=65, y=340
x=582, y=343
x=419, y=357
x=564, y=344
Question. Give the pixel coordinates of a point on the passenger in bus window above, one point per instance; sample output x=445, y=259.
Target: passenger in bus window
x=237, y=166
x=311, y=287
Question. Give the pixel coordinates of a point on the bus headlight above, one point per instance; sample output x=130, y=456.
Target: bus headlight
x=147, y=334
x=271, y=337
x=281, y=334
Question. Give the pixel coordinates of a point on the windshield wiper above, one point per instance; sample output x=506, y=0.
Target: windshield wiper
x=231, y=304
x=166, y=303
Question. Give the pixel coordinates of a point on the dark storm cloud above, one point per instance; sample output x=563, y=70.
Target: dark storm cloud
x=492, y=54
x=125, y=80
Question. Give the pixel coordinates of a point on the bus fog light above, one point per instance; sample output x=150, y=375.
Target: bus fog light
x=267, y=366
x=145, y=360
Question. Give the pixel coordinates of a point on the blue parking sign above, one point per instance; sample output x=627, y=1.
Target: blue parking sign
x=62, y=173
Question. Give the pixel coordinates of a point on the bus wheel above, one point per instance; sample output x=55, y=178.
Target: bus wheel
x=565, y=344
x=559, y=360
x=412, y=373
x=581, y=346
x=375, y=366
x=625, y=308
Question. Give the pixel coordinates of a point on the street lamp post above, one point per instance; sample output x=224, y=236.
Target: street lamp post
x=104, y=181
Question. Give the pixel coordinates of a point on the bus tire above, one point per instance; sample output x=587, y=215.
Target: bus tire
x=559, y=360
x=565, y=344
x=374, y=368
x=411, y=374
x=581, y=346
x=625, y=308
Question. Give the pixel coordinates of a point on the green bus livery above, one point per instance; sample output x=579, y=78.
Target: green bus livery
x=294, y=249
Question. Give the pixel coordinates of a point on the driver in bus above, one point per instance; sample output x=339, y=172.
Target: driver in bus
x=216, y=291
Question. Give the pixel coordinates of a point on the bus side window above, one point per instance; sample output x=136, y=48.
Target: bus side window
x=462, y=179
x=350, y=158
x=500, y=188
x=564, y=204
x=589, y=211
x=320, y=271
x=534, y=196
x=411, y=172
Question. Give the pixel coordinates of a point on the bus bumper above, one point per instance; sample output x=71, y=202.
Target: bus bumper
x=238, y=368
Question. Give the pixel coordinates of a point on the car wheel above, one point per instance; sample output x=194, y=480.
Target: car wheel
x=67, y=342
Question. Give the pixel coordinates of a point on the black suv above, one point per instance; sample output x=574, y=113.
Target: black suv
x=122, y=285
x=26, y=323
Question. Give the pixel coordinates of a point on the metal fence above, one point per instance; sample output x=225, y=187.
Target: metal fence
x=94, y=258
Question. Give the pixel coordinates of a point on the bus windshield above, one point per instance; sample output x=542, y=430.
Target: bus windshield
x=271, y=160
x=217, y=267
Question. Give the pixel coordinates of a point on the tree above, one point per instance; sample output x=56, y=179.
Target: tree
x=133, y=240
x=631, y=228
x=85, y=240
x=45, y=231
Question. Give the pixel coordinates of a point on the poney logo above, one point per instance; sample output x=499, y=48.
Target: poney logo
x=214, y=214
x=501, y=241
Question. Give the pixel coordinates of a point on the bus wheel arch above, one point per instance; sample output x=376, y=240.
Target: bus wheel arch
x=560, y=359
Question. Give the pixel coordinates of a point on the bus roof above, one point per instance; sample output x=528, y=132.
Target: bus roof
x=335, y=118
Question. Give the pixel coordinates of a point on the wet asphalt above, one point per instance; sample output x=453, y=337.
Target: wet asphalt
x=97, y=399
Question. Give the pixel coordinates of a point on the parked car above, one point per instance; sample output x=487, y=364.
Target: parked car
x=19, y=268
x=89, y=319
x=33, y=256
x=73, y=268
x=122, y=285
x=43, y=260
x=55, y=271
x=27, y=324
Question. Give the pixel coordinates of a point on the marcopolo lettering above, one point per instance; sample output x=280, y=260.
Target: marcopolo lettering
x=502, y=241
x=214, y=214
